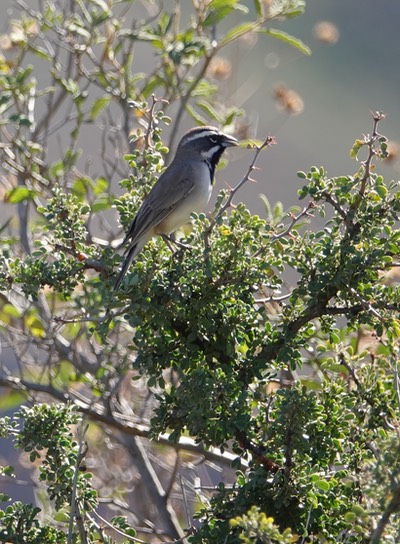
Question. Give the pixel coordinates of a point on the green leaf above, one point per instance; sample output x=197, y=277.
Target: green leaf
x=11, y=400
x=288, y=38
x=39, y=52
x=323, y=485
x=10, y=310
x=100, y=186
x=20, y=119
x=80, y=185
x=210, y=111
x=195, y=116
x=56, y=169
x=219, y=9
x=237, y=32
x=97, y=107
x=356, y=148
x=18, y=194
x=286, y=8
x=381, y=190
x=103, y=202
x=259, y=7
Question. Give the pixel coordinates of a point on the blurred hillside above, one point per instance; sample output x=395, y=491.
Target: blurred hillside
x=339, y=84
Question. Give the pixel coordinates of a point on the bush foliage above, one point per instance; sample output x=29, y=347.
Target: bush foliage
x=207, y=401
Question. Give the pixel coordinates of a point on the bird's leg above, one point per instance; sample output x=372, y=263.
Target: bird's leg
x=170, y=239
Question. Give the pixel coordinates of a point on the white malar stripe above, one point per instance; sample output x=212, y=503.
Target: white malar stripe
x=199, y=135
x=207, y=155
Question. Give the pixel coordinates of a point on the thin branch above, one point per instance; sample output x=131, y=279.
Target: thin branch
x=152, y=484
x=97, y=413
x=365, y=304
x=377, y=117
x=329, y=198
x=117, y=530
x=393, y=506
x=75, y=510
x=173, y=476
x=247, y=177
x=272, y=299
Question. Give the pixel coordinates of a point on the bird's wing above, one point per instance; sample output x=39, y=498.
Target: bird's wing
x=173, y=186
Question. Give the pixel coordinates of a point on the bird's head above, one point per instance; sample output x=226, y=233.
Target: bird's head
x=207, y=142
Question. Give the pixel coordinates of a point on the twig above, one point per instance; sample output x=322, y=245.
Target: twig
x=294, y=219
x=184, y=101
x=75, y=510
x=351, y=371
x=173, y=476
x=152, y=484
x=365, y=304
x=346, y=218
x=247, y=177
x=272, y=299
x=397, y=382
x=393, y=506
x=96, y=412
x=147, y=137
x=185, y=500
x=257, y=453
x=117, y=530
x=370, y=141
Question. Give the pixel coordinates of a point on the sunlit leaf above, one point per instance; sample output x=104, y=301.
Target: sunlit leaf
x=237, y=32
x=98, y=105
x=219, y=9
x=289, y=39
x=10, y=399
x=356, y=148
x=19, y=194
x=259, y=7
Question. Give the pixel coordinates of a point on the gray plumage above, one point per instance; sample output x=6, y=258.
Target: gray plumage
x=183, y=188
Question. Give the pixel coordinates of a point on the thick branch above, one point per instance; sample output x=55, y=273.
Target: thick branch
x=97, y=413
x=166, y=514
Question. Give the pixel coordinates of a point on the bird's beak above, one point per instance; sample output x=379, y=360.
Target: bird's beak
x=229, y=141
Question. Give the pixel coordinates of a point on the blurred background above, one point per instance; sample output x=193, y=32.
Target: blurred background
x=353, y=69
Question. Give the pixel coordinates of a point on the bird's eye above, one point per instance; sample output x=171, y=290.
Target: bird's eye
x=213, y=139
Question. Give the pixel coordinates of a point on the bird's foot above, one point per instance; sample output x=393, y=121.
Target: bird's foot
x=170, y=240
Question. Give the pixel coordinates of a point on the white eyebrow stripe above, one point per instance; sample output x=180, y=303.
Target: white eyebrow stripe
x=198, y=135
x=208, y=154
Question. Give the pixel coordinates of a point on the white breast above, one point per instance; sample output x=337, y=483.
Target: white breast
x=196, y=202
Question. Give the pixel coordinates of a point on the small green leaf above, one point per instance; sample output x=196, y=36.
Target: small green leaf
x=97, y=107
x=381, y=190
x=259, y=7
x=100, y=186
x=79, y=186
x=101, y=203
x=210, y=111
x=39, y=52
x=19, y=194
x=287, y=38
x=219, y=9
x=20, y=119
x=237, y=32
x=10, y=310
x=356, y=148
x=195, y=116
x=323, y=485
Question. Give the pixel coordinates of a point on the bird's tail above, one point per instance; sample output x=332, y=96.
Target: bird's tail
x=130, y=254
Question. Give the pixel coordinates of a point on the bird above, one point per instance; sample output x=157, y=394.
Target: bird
x=183, y=188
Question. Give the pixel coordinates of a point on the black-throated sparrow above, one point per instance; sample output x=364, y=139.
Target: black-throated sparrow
x=183, y=188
